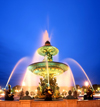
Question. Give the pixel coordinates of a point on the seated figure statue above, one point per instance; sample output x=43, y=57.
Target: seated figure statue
x=48, y=94
x=89, y=94
x=70, y=96
x=27, y=97
x=8, y=95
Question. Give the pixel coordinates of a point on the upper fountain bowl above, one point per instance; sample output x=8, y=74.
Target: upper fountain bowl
x=47, y=49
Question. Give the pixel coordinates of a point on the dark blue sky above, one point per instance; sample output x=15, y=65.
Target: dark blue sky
x=74, y=25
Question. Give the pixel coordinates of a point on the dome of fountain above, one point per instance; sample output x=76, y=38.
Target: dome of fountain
x=47, y=43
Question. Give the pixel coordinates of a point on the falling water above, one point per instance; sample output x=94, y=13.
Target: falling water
x=47, y=68
x=70, y=59
x=23, y=82
x=37, y=57
x=66, y=80
x=72, y=77
x=56, y=58
x=14, y=69
x=30, y=79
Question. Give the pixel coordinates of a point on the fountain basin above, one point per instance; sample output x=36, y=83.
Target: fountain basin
x=55, y=68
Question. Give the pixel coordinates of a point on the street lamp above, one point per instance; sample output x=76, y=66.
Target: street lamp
x=86, y=84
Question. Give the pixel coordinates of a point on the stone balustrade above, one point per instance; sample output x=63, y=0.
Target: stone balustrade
x=88, y=103
x=64, y=103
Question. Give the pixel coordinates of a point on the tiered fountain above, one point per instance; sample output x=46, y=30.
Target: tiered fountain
x=48, y=69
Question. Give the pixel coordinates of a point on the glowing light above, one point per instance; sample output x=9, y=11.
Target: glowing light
x=0, y=90
x=23, y=84
x=79, y=90
x=98, y=88
x=16, y=90
x=14, y=70
x=2, y=94
x=86, y=83
x=63, y=90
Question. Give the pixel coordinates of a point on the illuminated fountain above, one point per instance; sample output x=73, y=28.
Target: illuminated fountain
x=57, y=75
x=48, y=69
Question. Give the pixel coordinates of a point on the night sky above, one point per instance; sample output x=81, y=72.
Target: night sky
x=73, y=25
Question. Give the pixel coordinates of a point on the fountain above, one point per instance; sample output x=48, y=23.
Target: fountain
x=48, y=70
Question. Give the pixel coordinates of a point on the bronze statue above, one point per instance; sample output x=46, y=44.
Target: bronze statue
x=48, y=94
x=8, y=95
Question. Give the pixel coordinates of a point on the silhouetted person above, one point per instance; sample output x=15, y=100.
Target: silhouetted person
x=21, y=94
x=75, y=94
x=85, y=97
x=27, y=97
x=48, y=94
x=70, y=96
